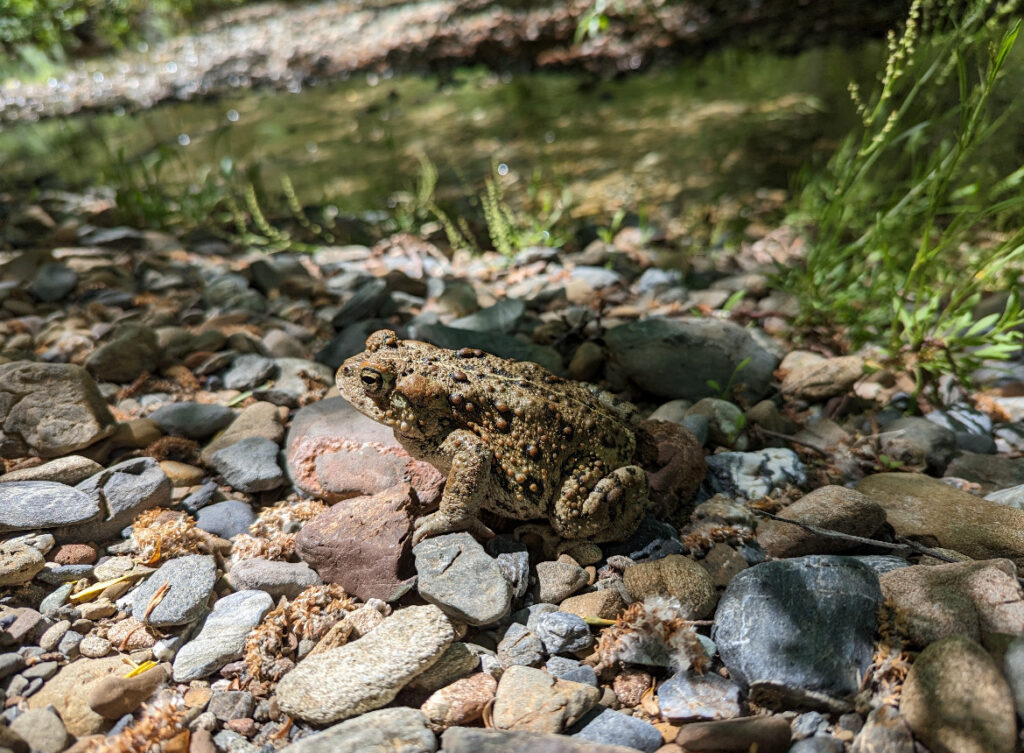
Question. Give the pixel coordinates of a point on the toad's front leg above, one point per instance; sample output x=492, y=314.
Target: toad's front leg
x=463, y=492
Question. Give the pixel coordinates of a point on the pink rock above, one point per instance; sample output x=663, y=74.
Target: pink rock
x=335, y=453
x=75, y=554
x=363, y=544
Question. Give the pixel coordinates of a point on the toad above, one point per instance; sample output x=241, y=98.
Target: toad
x=512, y=438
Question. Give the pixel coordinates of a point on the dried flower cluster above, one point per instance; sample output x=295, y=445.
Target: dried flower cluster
x=272, y=535
x=160, y=729
x=159, y=534
x=702, y=539
x=272, y=644
x=653, y=632
x=891, y=662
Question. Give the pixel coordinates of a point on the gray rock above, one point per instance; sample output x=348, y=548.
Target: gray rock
x=52, y=282
x=222, y=637
x=68, y=470
x=122, y=491
x=1013, y=669
x=817, y=744
x=366, y=674
x=56, y=598
x=370, y=300
x=193, y=420
x=275, y=577
x=573, y=670
x=832, y=599
x=615, y=728
x=520, y=647
x=49, y=409
x=456, y=574
x=26, y=505
x=559, y=580
x=42, y=729
x=231, y=704
x=515, y=566
x=563, y=633
x=458, y=660
x=753, y=474
x=250, y=465
x=687, y=697
x=678, y=358
x=392, y=730
x=226, y=519
x=132, y=350
x=725, y=422
x=248, y=371
x=294, y=376
x=504, y=316
x=475, y=740
x=191, y=580
x=10, y=663
x=882, y=563
x=917, y=441
x=809, y=724
x=885, y=731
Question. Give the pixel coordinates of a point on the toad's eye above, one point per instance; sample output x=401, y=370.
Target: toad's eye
x=372, y=379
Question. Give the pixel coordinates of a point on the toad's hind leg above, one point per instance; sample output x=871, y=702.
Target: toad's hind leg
x=609, y=510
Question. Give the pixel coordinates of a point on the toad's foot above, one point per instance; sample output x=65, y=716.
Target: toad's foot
x=438, y=523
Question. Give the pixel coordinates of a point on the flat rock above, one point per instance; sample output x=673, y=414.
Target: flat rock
x=191, y=579
x=19, y=563
x=26, y=505
x=832, y=599
x=834, y=508
x=921, y=507
x=249, y=465
x=392, y=730
x=610, y=727
x=363, y=544
x=192, y=420
x=273, y=576
x=367, y=673
x=557, y=580
x=977, y=600
x=334, y=452
x=49, y=409
x=42, y=730
x=606, y=604
x=222, y=636
x=955, y=699
x=68, y=470
x=770, y=734
x=476, y=740
x=456, y=574
x=132, y=350
x=226, y=519
x=248, y=371
x=687, y=696
x=531, y=699
x=456, y=662
x=990, y=471
x=68, y=692
x=677, y=358
x=261, y=419
x=114, y=696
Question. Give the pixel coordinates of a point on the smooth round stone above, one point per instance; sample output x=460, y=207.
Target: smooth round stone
x=226, y=519
x=563, y=633
x=456, y=574
x=42, y=730
x=615, y=728
x=43, y=504
x=182, y=474
x=688, y=697
x=393, y=729
x=68, y=470
x=94, y=647
x=55, y=599
x=64, y=573
x=250, y=465
x=19, y=563
x=192, y=420
x=52, y=282
x=114, y=696
x=191, y=579
x=248, y=371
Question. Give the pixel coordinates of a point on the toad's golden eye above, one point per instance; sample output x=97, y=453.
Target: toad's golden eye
x=372, y=379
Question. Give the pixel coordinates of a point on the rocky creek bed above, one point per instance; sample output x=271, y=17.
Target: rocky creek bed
x=205, y=548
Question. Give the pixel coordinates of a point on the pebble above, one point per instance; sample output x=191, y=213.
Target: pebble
x=885, y=731
x=190, y=578
x=123, y=491
x=475, y=740
x=42, y=729
x=366, y=674
x=114, y=696
x=563, y=633
x=955, y=699
x=833, y=600
x=249, y=465
x=69, y=470
x=248, y=371
x=766, y=734
x=27, y=505
x=530, y=699
x=131, y=350
x=231, y=704
x=19, y=563
x=515, y=566
x=391, y=730
x=559, y=580
x=94, y=646
x=751, y=475
x=724, y=422
x=68, y=692
x=456, y=662
x=615, y=728
x=273, y=576
x=977, y=600
x=75, y=554
x=916, y=441
x=675, y=576
x=222, y=636
x=226, y=519
x=833, y=508
x=565, y=668
x=192, y=420
x=686, y=697
x=520, y=646
x=821, y=379
x=606, y=604
x=462, y=702
x=456, y=574
x=261, y=419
